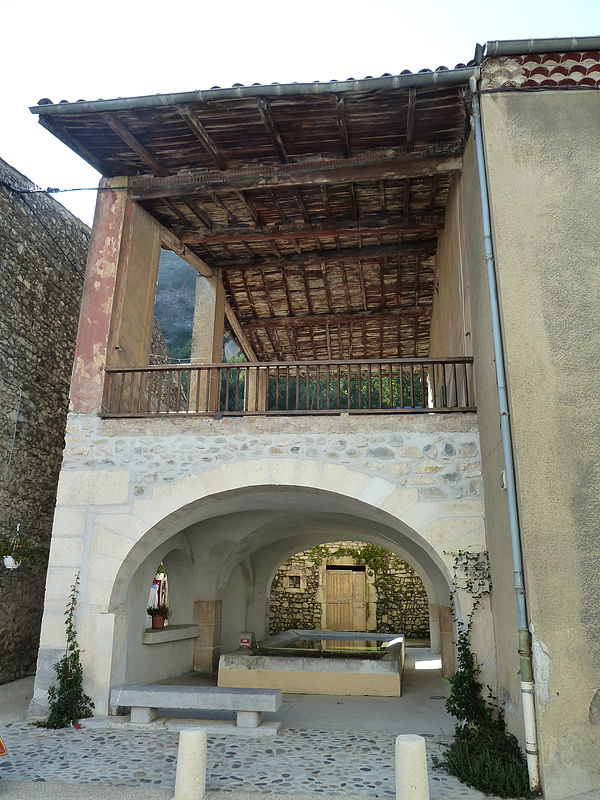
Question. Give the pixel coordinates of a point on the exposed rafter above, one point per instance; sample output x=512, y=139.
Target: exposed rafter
x=138, y=148
x=340, y=108
x=392, y=252
x=410, y=116
x=146, y=156
x=310, y=320
x=341, y=227
x=201, y=134
x=317, y=171
x=266, y=114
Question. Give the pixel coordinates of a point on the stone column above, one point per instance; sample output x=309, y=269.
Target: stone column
x=207, y=341
x=434, y=629
x=207, y=646
x=447, y=641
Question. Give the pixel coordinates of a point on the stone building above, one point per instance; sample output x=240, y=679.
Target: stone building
x=411, y=274
x=43, y=250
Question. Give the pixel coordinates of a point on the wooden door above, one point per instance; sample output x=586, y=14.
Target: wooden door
x=345, y=600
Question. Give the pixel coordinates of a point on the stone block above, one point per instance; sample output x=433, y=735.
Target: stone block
x=141, y=715
x=66, y=551
x=376, y=491
x=248, y=719
x=53, y=634
x=399, y=501
x=93, y=487
x=68, y=522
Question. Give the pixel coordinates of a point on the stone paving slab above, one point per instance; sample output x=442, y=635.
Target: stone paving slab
x=297, y=763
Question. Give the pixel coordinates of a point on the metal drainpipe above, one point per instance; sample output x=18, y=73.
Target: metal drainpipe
x=526, y=670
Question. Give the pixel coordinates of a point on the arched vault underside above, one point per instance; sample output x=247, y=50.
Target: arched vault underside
x=221, y=553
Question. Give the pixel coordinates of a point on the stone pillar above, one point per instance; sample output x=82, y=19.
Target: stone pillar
x=434, y=629
x=447, y=641
x=207, y=341
x=256, y=392
x=207, y=646
x=117, y=307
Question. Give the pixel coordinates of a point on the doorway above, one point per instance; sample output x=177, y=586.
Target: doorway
x=345, y=598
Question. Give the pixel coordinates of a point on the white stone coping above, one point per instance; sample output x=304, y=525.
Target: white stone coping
x=195, y=697
x=240, y=661
x=172, y=633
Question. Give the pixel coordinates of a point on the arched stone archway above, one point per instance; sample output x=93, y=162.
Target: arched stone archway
x=235, y=524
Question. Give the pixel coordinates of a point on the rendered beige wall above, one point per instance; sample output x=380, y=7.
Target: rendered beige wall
x=542, y=158
x=506, y=678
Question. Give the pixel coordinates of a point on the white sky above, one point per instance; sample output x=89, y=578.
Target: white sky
x=72, y=49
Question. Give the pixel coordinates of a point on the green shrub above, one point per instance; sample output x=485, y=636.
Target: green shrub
x=494, y=765
x=483, y=754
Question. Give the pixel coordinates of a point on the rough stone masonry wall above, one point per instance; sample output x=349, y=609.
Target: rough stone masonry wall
x=43, y=251
x=292, y=608
x=404, y=608
x=436, y=454
x=42, y=260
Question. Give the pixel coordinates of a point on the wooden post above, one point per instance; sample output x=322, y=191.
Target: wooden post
x=207, y=340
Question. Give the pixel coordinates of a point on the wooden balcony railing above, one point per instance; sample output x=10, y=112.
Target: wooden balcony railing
x=395, y=386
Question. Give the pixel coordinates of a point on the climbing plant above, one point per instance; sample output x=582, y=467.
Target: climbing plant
x=483, y=754
x=68, y=702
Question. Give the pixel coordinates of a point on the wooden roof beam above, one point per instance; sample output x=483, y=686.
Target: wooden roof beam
x=171, y=242
x=200, y=214
x=340, y=227
x=311, y=320
x=342, y=124
x=239, y=334
x=201, y=134
x=392, y=252
x=410, y=115
x=266, y=114
x=146, y=156
x=306, y=173
x=138, y=148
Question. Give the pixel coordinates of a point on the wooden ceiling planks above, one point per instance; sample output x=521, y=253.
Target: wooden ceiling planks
x=322, y=254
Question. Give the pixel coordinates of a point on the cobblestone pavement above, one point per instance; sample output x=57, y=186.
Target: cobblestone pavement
x=297, y=762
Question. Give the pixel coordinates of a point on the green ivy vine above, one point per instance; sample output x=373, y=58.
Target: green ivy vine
x=483, y=754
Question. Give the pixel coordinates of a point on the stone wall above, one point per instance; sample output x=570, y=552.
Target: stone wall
x=401, y=604
x=291, y=605
x=43, y=250
x=436, y=454
x=42, y=259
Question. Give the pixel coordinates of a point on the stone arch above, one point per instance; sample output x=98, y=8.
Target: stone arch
x=174, y=507
x=239, y=504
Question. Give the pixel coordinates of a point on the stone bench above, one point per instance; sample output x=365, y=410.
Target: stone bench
x=144, y=701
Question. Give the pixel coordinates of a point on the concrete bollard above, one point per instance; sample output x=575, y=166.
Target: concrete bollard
x=412, y=782
x=190, y=779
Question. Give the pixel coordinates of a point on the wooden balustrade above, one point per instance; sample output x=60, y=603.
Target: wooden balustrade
x=395, y=386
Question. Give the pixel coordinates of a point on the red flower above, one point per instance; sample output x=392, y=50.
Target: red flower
x=77, y=725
